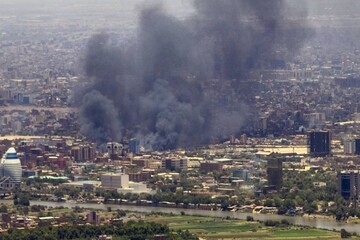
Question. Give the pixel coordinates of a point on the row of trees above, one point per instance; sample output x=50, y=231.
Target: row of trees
x=130, y=230
x=299, y=192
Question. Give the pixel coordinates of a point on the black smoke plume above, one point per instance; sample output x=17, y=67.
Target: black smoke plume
x=158, y=87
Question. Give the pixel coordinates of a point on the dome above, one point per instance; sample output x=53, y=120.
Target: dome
x=10, y=165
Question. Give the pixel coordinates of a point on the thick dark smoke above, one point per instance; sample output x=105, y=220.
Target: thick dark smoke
x=158, y=89
x=99, y=118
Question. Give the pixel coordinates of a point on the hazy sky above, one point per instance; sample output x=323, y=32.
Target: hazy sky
x=323, y=7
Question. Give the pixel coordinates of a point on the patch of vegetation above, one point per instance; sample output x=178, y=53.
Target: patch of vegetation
x=130, y=230
x=217, y=228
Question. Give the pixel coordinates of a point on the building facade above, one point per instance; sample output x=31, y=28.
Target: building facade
x=349, y=147
x=275, y=173
x=348, y=184
x=114, y=181
x=10, y=166
x=319, y=143
x=174, y=164
x=134, y=146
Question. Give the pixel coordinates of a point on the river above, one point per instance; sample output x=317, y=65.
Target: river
x=297, y=220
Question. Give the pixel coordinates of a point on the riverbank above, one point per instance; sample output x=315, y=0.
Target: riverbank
x=204, y=227
x=295, y=220
x=318, y=216
x=220, y=228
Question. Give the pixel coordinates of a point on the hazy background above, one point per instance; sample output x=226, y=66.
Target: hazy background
x=314, y=7
x=131, y=49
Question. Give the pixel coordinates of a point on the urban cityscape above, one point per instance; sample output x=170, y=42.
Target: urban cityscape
x=185, y=119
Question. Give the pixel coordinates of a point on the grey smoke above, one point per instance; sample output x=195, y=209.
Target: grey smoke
x=99, y=118
x=156, y=88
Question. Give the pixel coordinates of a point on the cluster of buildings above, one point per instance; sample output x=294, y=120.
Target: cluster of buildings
x=8, y=220
x=40, y=51
x=18, y=120
x=296, y=102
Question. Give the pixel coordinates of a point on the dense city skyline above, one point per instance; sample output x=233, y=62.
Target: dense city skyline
x=123, y=115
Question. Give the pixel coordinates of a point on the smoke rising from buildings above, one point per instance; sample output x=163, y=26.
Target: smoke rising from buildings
x=156, y=88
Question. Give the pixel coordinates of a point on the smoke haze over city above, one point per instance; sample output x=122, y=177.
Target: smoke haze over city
x=153, y=86
x=112, y=109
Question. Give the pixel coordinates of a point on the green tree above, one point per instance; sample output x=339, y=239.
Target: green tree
x=268, y=202
x=58, y=193
x=344, y=233
x=289, y=203
x=3, y=209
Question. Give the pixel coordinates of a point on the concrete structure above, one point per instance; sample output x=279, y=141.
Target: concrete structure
x=10, y=165
x=319, y=143
x=114, y=181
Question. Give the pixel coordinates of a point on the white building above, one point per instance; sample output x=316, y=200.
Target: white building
x=10, y=165
x=135, y=187
x=115, y=181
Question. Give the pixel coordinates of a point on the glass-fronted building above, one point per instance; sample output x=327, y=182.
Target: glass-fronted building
x=10, y=165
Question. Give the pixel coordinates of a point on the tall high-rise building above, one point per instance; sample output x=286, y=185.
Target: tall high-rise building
x=134, y=146
x=10, y=165
x=77, y=154
x=357, y=146
x=348, y=184
x=114, y=150
x=275, y=173
x=349, y=146
x=319, y=143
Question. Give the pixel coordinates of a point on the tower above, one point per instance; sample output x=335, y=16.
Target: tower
x=348, y=185
x=275, y=173
x=134, y=146
x=10, y=165
x=114, y=149
x=349, y=147
x=357, y=146
x=319, y=143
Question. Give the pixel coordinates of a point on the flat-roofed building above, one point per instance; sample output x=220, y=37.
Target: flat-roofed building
x=114, y=180
x=174, y=164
